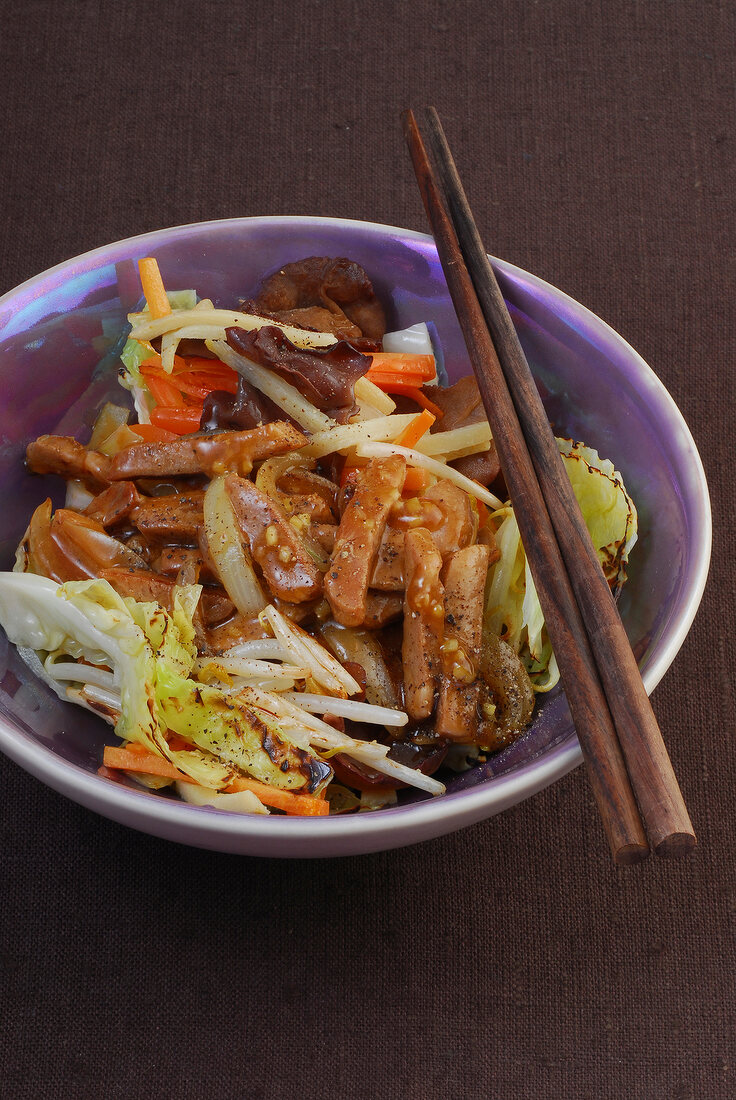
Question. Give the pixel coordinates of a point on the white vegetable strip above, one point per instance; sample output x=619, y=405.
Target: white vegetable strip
x=445, y=444
x=411, y=341
x=328, y=672
x=229, y=552
x=243, y=666
x=78, y=697
x=325, y=737
x=344, y=436
x=439, y=469
x=287, y=397
x=347, y=708
x=240, y=802
x=148, y=328
x=85, y=674
x=368, y=391
x=267, y=648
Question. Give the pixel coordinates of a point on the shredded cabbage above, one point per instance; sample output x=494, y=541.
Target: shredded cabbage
x=151, y=655
x=513, y=611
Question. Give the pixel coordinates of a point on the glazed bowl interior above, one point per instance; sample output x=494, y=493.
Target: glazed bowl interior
x=60, y=335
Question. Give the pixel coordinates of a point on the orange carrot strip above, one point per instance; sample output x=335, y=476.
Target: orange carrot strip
x=414, y=431
x=401, y=363
x=306, y=805
x=180, y=421
x=153, y=287
x=483, y=512
x=130, y=760
x=385, y=379
x=422, y=399
x=162, y=390
x=415, y=480
x=149, y=764
x=200, y=385
x=199, y=363
x=149, y=433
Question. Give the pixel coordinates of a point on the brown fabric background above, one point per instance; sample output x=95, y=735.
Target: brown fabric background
x=509, y=960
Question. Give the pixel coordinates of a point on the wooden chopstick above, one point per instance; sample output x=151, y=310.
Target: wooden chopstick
x=584, y=626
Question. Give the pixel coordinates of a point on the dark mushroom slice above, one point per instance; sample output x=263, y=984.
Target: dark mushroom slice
x=464, y=578
x=424, y=611
x=378, y=487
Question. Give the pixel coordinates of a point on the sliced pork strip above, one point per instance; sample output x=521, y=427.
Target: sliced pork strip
x=62, y=455
x=378, y=487
x=113, y=504
x=464, y=581
x=423, y=622
x=287, y=568
x=174, y=518
x=211, y=455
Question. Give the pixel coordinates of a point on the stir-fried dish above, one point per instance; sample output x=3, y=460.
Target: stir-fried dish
x=288, y=577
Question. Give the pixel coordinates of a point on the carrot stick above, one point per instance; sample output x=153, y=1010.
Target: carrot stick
x=414, y=431
x=153, y=287
x=180, y=421
x=401, y=363
x=422, y=399
x=306, y=805
x=416, y=479
x=147, y=763
x=385, y=379
x=162, y=391
x=149, y=433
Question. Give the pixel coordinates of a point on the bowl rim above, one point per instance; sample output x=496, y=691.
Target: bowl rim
x=425, y=818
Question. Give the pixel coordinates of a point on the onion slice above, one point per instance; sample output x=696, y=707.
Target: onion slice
x=229, y=552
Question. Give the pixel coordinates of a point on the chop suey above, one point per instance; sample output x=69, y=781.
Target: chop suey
x=289, y=577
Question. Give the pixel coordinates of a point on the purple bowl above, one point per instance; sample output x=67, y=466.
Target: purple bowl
x=59, y=337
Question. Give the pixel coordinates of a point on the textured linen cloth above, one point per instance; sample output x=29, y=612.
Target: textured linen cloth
x=511, y=959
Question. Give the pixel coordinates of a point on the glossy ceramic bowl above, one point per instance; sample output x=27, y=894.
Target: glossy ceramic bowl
x=59, y=337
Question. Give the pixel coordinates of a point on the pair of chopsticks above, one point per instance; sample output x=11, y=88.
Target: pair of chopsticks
x=622, y=744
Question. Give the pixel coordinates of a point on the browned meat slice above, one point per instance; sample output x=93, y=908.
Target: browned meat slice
x=287, y=568
x=234, y=632
x=324, y=535
x=382, y=608
x=142, y=585
x=464, y=581
x=216, y=606
x=378, y=487
x=460, y=403
x=324, y=376
x=463, y=405
x=62, y=455
x=388, y=572
x=173, y=518
x=424, y=610
x=113, y=504
x=67, y=546
x=212, y=455
x=170, y=560
x=300, y=483
x=483, y=467
x=339, y=289
x=445, y=511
